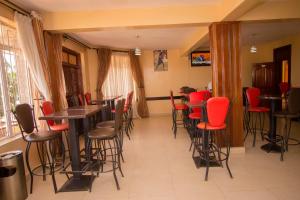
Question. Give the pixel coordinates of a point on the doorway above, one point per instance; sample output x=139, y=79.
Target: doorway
x=73, y=75
x=282, y=65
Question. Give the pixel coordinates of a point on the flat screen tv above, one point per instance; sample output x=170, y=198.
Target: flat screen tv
x=200, y=58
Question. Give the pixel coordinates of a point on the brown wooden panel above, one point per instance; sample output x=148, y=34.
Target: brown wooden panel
x=226, y=72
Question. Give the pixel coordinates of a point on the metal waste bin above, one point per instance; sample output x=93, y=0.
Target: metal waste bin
x=12, y=176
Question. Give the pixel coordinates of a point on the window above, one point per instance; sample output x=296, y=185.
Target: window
x=14, y=80
x=119, y=79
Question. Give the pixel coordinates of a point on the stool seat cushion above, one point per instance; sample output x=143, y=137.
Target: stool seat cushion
x=258, y=109
x=59, y=127
x=102, y=133
x=42, y=136
x=106, y=124
x=207, y=126
x=195, y=115
x=180, y=106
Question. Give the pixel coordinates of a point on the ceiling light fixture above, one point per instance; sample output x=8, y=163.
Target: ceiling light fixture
x=137, y=51
x=253, y=48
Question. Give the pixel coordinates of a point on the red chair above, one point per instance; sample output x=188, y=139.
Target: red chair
x=128, y=114
x=175, y=108
x=88, y=98
x=47, y=109
x=253, y=108
x=80, y=99
x=195, y=114
x=198, y=97
x=213, y=128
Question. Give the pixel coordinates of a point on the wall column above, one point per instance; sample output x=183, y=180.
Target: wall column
x=226, y=72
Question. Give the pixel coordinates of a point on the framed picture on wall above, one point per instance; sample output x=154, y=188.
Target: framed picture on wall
x=160, y=60
x=200, y=58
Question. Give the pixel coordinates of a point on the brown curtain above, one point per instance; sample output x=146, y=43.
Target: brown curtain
x=142, y=107
x=226, y=69
x=104, y=59
x=37, y=26
x=53, y=44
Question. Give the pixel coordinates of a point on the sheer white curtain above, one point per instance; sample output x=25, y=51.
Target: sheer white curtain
x=119, y=79
x=30, y=51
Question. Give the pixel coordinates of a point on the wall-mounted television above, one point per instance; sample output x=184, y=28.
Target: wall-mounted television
x=200, y=58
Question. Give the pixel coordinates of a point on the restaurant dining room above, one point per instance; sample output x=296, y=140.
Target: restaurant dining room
x=149, y=100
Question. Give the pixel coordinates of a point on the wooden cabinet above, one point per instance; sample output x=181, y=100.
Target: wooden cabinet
x=263, y=77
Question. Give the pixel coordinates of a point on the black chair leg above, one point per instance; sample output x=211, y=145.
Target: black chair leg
x=28, y=165
x=51, y=163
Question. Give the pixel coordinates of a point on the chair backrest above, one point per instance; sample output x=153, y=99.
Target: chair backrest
x=80, y=100
x=88, y=98
x=47, y=109
x=196, y=97
x=294, y=100
x=74, y=100
x=119, y=114
x=252, y=96
x=217, y=109
x=172, y=99
x=284, y=87
x=24, y=114
x=129, y=99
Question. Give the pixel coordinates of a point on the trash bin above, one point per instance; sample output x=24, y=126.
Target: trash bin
x=12, y=176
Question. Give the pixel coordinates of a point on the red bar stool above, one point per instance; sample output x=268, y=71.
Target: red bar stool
x=253, y=108
x=127, y=115
x=216, y=112
x=47, y=109
x=175, y=108
x=195, y=113
x=88, y=98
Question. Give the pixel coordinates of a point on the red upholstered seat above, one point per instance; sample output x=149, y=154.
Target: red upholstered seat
x=217, y=109
x=254, y=101
x=60, y=127
x=195, y=115
x=208, y=126
x=258, y=109
x=47, y=109
x=180, y=106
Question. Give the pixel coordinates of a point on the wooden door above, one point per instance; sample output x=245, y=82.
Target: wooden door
x=263, y=77
x=73, y=74
x=282, y=64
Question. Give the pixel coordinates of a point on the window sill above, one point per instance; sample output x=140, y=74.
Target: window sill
x=8, y=140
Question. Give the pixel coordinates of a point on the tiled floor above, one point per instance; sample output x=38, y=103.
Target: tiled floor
x=159, y=167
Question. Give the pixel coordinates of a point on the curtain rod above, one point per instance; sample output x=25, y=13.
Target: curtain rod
x=14, y=7
x=86, y=46
x=76, y=41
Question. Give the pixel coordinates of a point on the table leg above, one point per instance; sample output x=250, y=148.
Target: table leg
x=272, y=146
x=78, y=182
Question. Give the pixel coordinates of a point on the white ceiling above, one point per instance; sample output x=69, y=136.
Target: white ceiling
x=268, y=31
x=158, y=38
x=80, y=5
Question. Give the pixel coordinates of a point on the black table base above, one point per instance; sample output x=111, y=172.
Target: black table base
x=271, y=147
x=78, y=184
x=199, y=162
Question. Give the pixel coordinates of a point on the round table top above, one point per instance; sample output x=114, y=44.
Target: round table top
x=270, y=97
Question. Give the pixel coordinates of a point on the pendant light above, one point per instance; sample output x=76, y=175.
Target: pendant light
x=253, y=48
x=137, y=51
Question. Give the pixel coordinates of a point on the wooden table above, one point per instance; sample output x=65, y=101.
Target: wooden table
x=110, y=101
x=75, y=115
x=271, y=146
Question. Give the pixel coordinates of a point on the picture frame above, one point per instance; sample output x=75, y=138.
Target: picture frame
x=200, y=58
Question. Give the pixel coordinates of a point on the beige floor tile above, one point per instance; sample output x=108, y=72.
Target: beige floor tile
x=159, y=167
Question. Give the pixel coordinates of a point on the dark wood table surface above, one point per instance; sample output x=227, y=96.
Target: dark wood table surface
x=76, y=115
x=271, y=146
